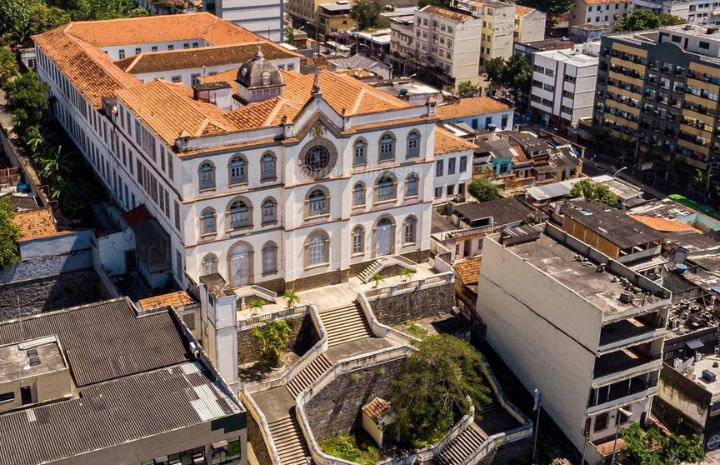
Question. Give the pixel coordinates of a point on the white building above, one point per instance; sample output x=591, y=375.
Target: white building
x=693, y=11
x=563, y=84
x=264, y=17
x=453, y=165
x=583, y=329
x=607, y=12
x=262, y=175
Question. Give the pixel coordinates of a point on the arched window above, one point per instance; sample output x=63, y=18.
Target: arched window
x=387, y=147
x=360, y=152
x=209, y=264
x=358, y=240
x=208, y=222
x=269, y=211
x=237, y=170
x=411, y=186
x=317, y=203
x=317, y=246
x=386, y=189
x=410, y=230
x=239, y=215
x=267, y=166
x=207, y=175
x=269, y=258
x=358, y=195
x=413, y=144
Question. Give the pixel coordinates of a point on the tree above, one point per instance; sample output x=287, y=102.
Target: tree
x=517, y=76
x=467, y=89
x=595, y=192
x=376, y=278
x=483, y=190
x=495, y=69
x=13, y=13
x=366, y=14
x=700, y=179
x=44, y=18
x=9, y=233
x=274, y=336
x=291, y=297
x=553, y=8
x=26, y=100
x=256, y=304
x=8, y=65
x=643, y=19
x=652, y=447
x=446, y=381
x=406, y=273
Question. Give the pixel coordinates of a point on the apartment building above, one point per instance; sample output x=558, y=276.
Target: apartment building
x=402, y=49
x=335, y=17
x=529, y=25
x=663, y=87
x=580, y=327
x=606, y=12
x=105, y=383
x=264, y=17
x=693, y=11
x=563, y=85
x=260, y=174
x=453, y=166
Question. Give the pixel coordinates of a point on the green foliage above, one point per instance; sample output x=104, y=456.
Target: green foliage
x=380, y=372
x=44, y=18
x=289, y=34
x=412, y=329
x=440, y=3
x=376, y=278
x=483, y=190
x=553, y=8
x=13, y=13
x=26, y=100
x=652, y=447
x=407, y=273
x=444, y=372
x=643, y=19
x=291, y=298
x=274, y=336
x=512, y=74
x=360, y=450
x=594, y=192
x=366, y=14
x=8, y=65
x=9, y=233
x=355, y=378
x=467, y=89
x=256, y=304
x=700, y=179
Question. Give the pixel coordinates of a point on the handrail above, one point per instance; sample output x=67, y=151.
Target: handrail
x=259, y=417
x=385, y=261
x=254, y=289
x=272, y=315
x=300, y=364
x=414, y=285
x=379, y=329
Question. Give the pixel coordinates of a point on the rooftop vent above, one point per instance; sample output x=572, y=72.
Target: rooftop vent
x=711, y=30
x=708, y=376
x=34, y=361
x=688, y=27
x=31, y=353
x=626, y=297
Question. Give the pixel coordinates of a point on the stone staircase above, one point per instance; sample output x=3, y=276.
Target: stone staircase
x=289, y=441
x=309, y=374
x=345, y=324
x=384, y=262
x=462, y=447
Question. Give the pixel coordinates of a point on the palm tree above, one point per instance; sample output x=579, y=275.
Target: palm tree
x=291, y=297
x=700, y=179
x=255, y=305
x=406, y=273
x=376, y=278
x=34, y=138
x=274, y=336
x=55, y=163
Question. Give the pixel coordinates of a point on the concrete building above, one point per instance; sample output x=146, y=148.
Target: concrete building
x=582, y=33
x=563, y=85
x=662, y=86
x=605, y=12
x=334, y=17
x=453, y=166
x=478, y=113
x=580, y=327
x=529, y=24
x=693, y=11
x=105, y=383
x=265, y=18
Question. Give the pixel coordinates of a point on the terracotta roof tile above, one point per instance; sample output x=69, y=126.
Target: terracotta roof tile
x=471, y=107
x=376, y=409
x=446, y=142
x=469, y=270
x=523, y=10
x=664, y=225
x=445, y=13
x=36, y=224
x=173, y=299
x=602, y=2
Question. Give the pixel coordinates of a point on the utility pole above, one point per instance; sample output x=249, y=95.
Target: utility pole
x=536, y=407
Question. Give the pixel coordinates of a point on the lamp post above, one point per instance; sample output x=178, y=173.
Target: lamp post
x=538, y=398
x=621, y=412
x=616, y=172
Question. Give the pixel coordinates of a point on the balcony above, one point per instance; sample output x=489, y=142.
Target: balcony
x=625, y=363
x=630, y=331
x=621, y=393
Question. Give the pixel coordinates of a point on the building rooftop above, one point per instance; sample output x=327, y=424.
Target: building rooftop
x=133, y=378
x=173, y=299
x=664, y=225
x=336, y=6
x=446, y=142
x=602, y=2
x=36, y=224
x=16, y=359
x=707, y=363
x=458, y=16
x=611, y=224
x=472, y=106
x=580, y=274
x=549, y=44
x=523, y=10
x=502, y=211
x=569, y=57
x=468, y=270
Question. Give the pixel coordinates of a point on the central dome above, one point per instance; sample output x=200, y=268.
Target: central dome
x=259, y=72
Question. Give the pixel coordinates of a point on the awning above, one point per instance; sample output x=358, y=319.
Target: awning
x=694, y=344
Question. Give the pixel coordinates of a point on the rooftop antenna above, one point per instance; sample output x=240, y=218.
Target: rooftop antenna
x=316, y=82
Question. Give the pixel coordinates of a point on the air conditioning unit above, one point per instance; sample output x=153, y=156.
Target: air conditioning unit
x=708, y=376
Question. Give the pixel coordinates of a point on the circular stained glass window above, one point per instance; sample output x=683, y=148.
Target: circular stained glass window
x=317, y=159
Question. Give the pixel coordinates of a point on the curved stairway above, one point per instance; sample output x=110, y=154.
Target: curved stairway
x=462, y=447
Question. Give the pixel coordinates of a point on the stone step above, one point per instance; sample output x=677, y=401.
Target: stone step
x=462, y=447
x=289, y=441
x=308, y=375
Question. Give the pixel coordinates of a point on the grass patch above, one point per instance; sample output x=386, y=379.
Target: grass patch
x=412, y=329
x=359, y=448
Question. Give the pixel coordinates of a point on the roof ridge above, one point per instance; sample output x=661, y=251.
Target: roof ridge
x=275, y=111
x=358, y=100
x=135, y=61
x=85, y=50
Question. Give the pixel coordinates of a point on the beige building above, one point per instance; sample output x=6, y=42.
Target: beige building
x=106, y=383
x=608, y=12
x=529, y=25
x=580, y=327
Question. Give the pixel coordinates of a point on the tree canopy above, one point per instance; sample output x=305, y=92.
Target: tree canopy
x=510, y=74
x=444, y=373
x=9, y=233
x=467, y=89
x=553, y=8
x=26, y=101
x=8, y=65
x=366, y=14
x=594, y=192
x=642, y=20
x=652, y=447
x=483, y=190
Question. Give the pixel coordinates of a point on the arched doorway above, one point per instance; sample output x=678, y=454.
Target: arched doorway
x=383, y=237
x=240, y=259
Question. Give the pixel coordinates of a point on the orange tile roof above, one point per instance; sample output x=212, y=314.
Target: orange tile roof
x=602, y=2
x=446, y=142
x=36, y=224
x=473, y=106
x=456, y=16
x=469, y=270
x=664, y=225
x=173, y=299
x=376, y=409
x=522, y=10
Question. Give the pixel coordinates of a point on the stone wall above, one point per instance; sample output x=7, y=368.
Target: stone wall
x=50, y=293
x=513, y=452
x=337, y=408
x=255, y=438
x=302, y=338
x=414, y=305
